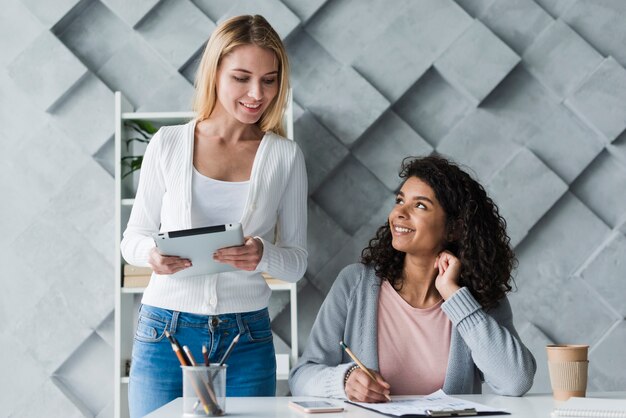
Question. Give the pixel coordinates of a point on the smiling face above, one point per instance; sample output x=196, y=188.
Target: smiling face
x=417, y=221
x=247, y=83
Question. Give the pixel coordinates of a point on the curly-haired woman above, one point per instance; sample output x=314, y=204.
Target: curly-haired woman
x=427, y=305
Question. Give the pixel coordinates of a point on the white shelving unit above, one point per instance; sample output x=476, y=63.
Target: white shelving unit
x=127, y=299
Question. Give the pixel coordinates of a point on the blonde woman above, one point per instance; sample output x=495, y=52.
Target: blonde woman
x=230, y=164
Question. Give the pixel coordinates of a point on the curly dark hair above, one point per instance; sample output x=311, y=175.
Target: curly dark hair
x=475, y=231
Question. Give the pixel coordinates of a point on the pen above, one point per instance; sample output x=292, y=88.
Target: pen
x=452, y=412
x=358, y=363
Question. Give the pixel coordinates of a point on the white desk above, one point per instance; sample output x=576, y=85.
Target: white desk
x=529, y=406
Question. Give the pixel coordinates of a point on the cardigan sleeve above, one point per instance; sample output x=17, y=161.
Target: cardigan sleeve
x=320, y=371
x=286, y=259
x=145, y=215
x=507, y=365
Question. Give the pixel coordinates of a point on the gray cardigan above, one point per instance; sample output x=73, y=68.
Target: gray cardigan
x=483, y=345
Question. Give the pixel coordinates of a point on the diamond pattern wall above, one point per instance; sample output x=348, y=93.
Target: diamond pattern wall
x=528, y=94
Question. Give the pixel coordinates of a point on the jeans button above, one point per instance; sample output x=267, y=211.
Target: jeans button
x=214, y=321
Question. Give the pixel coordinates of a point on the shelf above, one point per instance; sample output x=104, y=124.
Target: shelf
x=133, y=290
x=276, y=284
x=164, y=117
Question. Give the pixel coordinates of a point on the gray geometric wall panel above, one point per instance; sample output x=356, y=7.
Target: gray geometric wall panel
x=432, y=107
x=529, y=95
x=476, y=62
x=525, y=175
x=334, y=92
x=176, y=46
x=46, y=70
x=560, y=59
x=601, y=99
x=388, y=141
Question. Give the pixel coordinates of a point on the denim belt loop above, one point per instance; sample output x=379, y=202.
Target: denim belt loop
x=174, y=323
x=242, y=327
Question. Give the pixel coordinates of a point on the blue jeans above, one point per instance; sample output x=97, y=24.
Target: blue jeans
x=155, y=373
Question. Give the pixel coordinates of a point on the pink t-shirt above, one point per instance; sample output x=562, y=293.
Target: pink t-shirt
x=413, y=344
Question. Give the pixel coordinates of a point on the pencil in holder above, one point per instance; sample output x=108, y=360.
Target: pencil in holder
x=204, y=390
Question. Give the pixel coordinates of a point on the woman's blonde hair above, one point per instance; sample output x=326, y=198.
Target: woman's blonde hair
x=236, y=31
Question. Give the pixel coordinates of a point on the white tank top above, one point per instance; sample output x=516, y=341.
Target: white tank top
x=216, y=202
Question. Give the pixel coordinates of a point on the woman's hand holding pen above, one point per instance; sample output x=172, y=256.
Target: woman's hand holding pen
x=243, y=257
x=166, y=264
x=361, y=388
x=449, y=270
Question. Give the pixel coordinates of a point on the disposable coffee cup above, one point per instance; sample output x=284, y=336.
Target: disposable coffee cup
x=204, y=390
x=568, y=367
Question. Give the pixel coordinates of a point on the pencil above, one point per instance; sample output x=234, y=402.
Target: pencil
x=207, y=386
x=229, y=350
x=183, y=362
x=182, y=358
x=173, y=340
x=205, y=354
x=358, y=363
x=179, y=354
x=192, y=360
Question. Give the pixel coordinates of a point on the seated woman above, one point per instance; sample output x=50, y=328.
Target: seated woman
x=427, y=305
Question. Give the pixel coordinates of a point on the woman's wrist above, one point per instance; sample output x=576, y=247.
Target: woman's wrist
x=448, y=290
x=348, y=373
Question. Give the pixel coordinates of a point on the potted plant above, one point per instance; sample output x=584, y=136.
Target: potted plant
x=142, y=131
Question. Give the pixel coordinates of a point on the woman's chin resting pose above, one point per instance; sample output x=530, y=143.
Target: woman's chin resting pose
x=426, y=308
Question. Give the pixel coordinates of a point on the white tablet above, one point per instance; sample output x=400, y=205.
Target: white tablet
x=198, y=245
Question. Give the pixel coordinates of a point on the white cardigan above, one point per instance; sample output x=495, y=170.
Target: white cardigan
x=275, y=212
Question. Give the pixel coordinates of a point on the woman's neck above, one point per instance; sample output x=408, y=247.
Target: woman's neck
x=228, y=129
x=418, y=282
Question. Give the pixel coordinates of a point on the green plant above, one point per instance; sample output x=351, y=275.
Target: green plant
x=143, y=131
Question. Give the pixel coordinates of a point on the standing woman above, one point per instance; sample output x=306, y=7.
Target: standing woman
x=230, y=164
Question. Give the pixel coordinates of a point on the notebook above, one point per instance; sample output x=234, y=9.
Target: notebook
x=592, y=407
x=198, y=245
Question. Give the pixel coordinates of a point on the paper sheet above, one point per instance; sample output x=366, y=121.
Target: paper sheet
x=436, y=401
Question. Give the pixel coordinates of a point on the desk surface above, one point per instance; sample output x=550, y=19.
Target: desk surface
x=529, y=406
